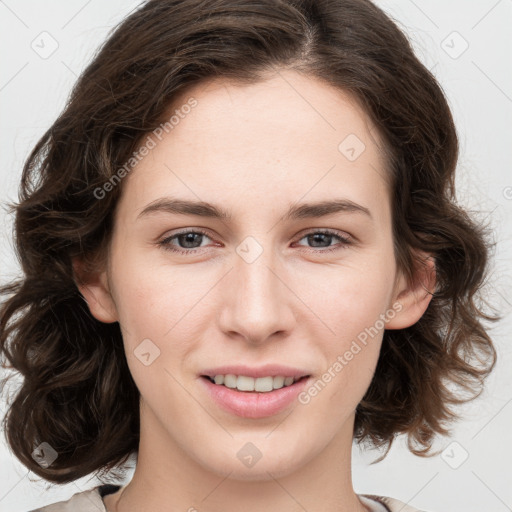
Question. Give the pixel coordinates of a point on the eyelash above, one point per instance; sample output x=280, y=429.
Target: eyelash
x=345, y=241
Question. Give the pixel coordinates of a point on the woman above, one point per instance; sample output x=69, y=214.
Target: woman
x=178, y=301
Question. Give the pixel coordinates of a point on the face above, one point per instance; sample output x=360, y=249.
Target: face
x=261, y=286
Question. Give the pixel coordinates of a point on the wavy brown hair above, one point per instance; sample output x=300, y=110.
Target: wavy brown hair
x=77, y=393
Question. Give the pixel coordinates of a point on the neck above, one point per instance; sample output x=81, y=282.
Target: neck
x=167, y=478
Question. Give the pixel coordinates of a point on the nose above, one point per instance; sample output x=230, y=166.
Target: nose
x=258, y=303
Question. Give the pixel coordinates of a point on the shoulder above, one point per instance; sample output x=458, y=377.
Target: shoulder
x=91, y=501
x=392, y=504
x=85, y=501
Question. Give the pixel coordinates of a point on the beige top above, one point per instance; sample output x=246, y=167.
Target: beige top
x=92, y=501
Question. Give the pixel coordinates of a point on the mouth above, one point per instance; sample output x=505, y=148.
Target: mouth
x=246, y=384
x=253, y=398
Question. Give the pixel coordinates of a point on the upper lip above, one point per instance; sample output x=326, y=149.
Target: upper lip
x=272, y=370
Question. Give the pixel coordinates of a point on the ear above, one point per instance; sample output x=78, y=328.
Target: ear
x=94, y=287
x=414, y=298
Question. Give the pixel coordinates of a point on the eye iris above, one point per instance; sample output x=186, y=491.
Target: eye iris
x=188, y=238
x=317, y=237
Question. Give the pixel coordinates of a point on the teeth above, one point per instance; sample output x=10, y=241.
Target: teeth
x=261, y=384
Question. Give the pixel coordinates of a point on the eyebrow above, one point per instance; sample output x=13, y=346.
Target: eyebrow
x=300, y=211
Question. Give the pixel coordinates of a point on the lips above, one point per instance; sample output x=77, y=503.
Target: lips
x=252, y=404
x=269, y=370
x=250, y=384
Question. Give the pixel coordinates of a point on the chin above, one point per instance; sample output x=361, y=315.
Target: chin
x=261, y=472
x=260, y=469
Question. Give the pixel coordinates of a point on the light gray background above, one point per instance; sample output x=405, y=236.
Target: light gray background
x=478, y=83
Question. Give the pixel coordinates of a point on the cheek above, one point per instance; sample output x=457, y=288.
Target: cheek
x=350, y=303
x=163, y=313
x=150, y=300
x=347, y=298
x=156, y=312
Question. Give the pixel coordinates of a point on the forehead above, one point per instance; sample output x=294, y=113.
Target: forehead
x=279, y=139
x=285, y=108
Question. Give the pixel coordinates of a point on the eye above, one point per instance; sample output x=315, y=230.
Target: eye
x=190, y=241
x=325, y=237
x=188, y=238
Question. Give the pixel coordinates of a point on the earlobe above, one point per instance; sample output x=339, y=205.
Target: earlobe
x=93, y=286
x=414, y=299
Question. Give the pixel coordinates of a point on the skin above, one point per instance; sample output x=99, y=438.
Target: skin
x=254, y=150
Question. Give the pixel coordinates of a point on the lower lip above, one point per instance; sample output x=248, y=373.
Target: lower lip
x=254, y=404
